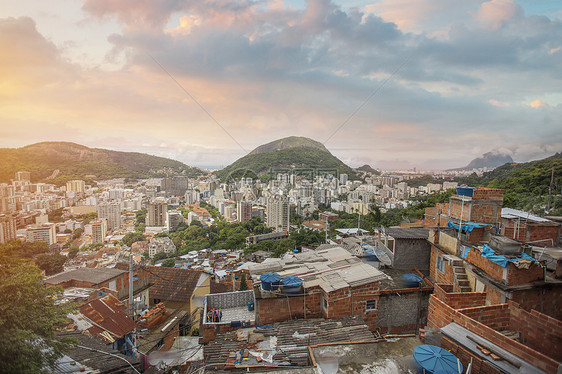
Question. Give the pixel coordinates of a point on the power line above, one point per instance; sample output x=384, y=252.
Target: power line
x=109, y=354
x=375, y=91
x=196, y=102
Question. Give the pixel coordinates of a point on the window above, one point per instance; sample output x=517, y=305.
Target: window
x=440, y=264
x=370, y=305
x=324, y=303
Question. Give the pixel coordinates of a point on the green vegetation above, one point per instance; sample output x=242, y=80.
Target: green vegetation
x=56, y=215
x=51, y=264
x=28, y=316
x=74, y=161
x=169, y=263
x=305, y=158
x=73, y=251
x=526, y=185
x=133, y=237
x=243, y=283
x=423, y=180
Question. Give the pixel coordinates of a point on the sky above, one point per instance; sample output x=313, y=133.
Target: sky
x=394, y=84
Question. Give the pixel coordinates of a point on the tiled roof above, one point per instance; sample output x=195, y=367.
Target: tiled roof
x=108, y=314
x=172, y=284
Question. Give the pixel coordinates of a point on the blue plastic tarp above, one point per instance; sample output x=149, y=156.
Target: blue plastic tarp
x=464, y=251
x=466, y=226
x=501, y=260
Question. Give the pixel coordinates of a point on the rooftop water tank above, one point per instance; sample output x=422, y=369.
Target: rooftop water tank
x=292, y=285
x=270, y=281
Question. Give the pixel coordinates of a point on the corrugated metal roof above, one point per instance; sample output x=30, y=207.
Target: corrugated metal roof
x=92, y=275
x=107, y=314
x=510, y=213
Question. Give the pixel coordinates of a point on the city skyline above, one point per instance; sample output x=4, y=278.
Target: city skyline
x=395, y=85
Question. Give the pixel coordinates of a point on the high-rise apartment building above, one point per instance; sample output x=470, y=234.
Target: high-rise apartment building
x=23, y=176
x=278, y=215
x=99, y=230
x=192, y=197
x=243, y=211
x=156, y=214
x=45, y=232
x=76, y=185
x=174, y=186
x=173, y=220
x=112, y=212
x=7, y=228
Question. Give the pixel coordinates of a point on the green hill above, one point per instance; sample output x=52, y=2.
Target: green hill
x=526, y=185
x=300, y=155
x=74, y=161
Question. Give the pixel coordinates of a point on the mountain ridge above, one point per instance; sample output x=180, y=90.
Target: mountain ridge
x=76, y=161
x=288, y=154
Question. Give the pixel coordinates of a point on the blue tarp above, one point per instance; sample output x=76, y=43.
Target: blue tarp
x=466, y=226
x=464, y=251
x=501, y=260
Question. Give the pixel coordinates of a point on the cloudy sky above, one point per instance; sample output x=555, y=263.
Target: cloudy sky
x=391, y=83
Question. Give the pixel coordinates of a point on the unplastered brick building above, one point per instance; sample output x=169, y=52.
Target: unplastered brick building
x=499, y=338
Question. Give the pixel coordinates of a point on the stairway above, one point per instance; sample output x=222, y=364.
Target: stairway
x=461, y=279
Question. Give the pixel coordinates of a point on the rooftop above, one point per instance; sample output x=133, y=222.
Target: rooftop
x=92, y=275
x=402, y=233
x=510, y=213
x=172, y=284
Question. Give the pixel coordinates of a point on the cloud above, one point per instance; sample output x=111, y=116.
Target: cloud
x=538, y=103
x=265, y=71
x=496, y=13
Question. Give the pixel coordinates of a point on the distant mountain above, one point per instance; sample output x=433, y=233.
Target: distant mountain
x=368, y=169
x=302, y=155
x=488, y=160
x=62, y=161
x=287, y=143
x=526, y=185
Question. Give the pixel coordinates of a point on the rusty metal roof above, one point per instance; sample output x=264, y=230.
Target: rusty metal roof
x=107, y=314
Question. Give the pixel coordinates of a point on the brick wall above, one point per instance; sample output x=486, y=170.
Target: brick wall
x=448, y=276
x=441, y=314
x=486, y=213
x=528, y=231
x=516, y=276
x=545, y=300
x=496, y=317
x=280, y=309
x=540, y=332
x=456, y=207
x=479, y=366
x=458, y=300
x=481, y=193
x=492, y=269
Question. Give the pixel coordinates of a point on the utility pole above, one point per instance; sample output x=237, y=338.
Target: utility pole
x=131, y=301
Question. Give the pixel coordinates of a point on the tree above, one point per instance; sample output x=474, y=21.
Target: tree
x=169, y=263
x=243, y=284
x=133, y=237
x=51, y=264
x=73, y=251
x=77, y=233
x=159, y=256
x=28, y=319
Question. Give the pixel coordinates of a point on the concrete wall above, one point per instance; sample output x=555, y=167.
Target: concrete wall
x=402, y=313
x=229, y=299
x=412, y=253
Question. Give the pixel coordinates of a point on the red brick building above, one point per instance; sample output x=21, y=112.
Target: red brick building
x=520, y=340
